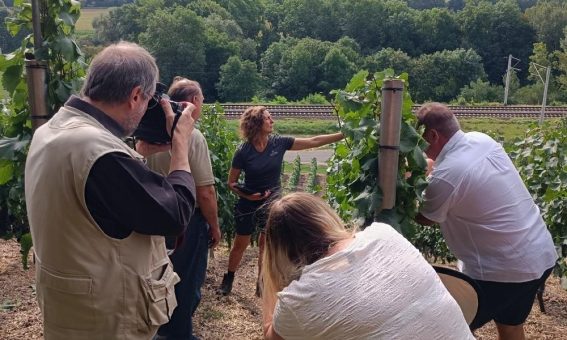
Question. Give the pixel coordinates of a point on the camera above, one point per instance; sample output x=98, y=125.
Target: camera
x=152, y=127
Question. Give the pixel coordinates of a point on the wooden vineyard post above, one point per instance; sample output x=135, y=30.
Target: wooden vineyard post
x=390, y=123
x=36, y=74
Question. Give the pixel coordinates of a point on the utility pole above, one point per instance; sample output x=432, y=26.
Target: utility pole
x=544, y=100
x=508, y=74
x=545, y=86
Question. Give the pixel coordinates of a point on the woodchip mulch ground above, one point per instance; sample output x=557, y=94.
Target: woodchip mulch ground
x=236, y=316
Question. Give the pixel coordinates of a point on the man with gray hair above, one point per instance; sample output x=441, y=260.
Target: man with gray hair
x=488, y=218
x=98, y=214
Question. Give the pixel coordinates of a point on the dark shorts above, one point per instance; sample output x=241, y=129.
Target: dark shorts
x=507, y=303
x=249, y=216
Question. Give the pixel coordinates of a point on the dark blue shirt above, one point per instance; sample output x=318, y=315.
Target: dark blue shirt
x=262, y=170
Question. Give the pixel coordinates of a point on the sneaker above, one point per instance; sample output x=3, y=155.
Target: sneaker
x=226, y=285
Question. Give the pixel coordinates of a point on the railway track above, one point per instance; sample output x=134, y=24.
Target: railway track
x=326, y=111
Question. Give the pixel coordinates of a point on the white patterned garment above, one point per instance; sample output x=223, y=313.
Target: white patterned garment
x=379, y=287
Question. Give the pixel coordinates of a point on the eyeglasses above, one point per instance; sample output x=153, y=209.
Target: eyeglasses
x=158, y=95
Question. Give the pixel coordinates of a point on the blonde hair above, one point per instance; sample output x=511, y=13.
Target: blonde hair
x=251, y=122
x=300, y=230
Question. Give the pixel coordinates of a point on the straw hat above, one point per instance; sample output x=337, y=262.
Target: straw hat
x=463, y=289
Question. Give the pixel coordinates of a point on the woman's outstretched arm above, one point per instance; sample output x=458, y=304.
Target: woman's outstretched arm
x=316, y=141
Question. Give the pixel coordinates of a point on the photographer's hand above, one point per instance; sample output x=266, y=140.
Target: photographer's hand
x=181, y=135
x=188, y=110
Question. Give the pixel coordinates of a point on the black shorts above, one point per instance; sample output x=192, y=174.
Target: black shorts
x=507, y=303
x=249, y=216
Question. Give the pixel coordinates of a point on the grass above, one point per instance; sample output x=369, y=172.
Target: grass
x=7, y=306
x=85, y=22
x=299, y=127
x=210, y=313
x=305, y=127
x=305, y=167
x=508, y=129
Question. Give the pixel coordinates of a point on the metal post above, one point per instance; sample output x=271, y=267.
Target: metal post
x=507, y=85
x=36, y=73
x=390, y=124
x=36, y=22
x=544, y=100
x=36, y=77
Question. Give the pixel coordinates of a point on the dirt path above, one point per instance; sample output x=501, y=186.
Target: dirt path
x=237, y=316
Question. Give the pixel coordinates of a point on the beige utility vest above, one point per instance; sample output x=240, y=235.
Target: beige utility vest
x=89, y=285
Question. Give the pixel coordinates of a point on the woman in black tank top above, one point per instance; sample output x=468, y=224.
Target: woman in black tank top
x=260, y=158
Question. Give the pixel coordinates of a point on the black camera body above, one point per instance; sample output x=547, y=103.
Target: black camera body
x=152, y=127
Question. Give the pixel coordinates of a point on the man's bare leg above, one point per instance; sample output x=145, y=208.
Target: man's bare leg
x=507, y=332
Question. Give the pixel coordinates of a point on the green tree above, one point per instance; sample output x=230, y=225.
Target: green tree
x=540, y=56
x=222, y=39
x=239, y=80
x=318, y=24
x=270, y=66
x=530, y=94
x=386, y=58
x=525, y=4
x=269, y=32
x=549, y=18
x=166, y=37
x=495, y=31
x=366, y=21
x=480, y=91
x=456, y=5
x=337, y=70
x=562, y=63
x=301, y=63
x=227, y=26
x=425, y=4
x=205, y=8
x=401, y=27
x=295, y=68
x=125, y=22
x=440, y=76
x=437, y=30
x=249, y=14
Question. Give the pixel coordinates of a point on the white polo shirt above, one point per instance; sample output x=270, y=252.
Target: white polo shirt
x=487, y=216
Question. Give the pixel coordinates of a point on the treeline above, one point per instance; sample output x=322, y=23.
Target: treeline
x=452, y=49
x=104, y=3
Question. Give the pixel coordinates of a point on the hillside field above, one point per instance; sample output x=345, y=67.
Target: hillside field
x=84, y=24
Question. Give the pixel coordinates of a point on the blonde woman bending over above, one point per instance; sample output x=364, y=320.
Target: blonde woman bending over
x=322, y=281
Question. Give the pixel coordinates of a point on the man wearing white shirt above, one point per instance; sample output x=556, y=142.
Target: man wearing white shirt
x=488, y=219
